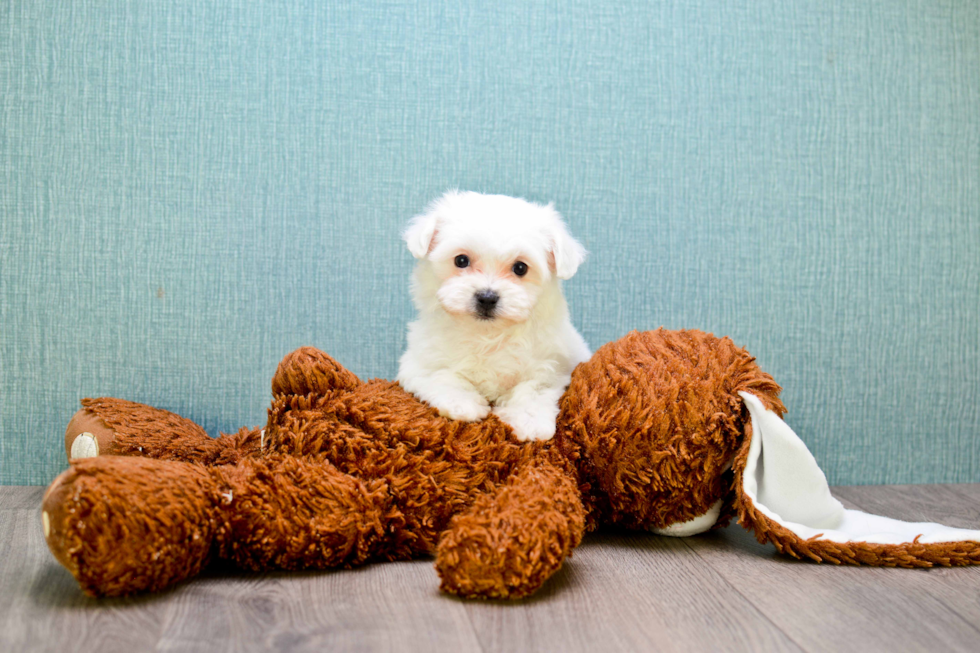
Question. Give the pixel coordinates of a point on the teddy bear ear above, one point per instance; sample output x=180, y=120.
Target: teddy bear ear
x=783, y=496
x=567, y=254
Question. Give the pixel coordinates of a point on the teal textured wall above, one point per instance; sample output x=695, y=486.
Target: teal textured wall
x=189, y=190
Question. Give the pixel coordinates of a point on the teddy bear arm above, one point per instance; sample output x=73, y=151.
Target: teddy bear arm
x=309, y=371
x=512, y=539
x=109, y=426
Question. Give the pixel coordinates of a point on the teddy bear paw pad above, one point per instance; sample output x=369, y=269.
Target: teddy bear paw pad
x=84, y=446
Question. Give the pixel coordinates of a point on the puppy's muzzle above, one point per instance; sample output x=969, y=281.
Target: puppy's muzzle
x=486, y=304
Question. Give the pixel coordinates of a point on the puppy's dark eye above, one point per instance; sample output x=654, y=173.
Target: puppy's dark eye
x=520, y=268
x=462, y=261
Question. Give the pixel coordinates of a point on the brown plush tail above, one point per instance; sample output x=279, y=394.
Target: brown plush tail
x=787, y=501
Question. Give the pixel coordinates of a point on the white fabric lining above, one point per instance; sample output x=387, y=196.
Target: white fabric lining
x=785, y=483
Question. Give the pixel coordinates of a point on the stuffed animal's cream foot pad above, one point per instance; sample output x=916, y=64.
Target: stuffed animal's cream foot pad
x=699, y=524
x=84, y=446
x=87, y=436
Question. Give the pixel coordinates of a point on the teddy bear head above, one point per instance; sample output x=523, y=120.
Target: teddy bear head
x=653, y=422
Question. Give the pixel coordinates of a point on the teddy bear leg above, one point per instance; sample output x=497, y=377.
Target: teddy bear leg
x=511, y=540
x=122, y=525
x=284, y=512
x=87, y=436
x=116, y=427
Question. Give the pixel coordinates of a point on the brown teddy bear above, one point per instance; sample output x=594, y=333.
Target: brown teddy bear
x=655, y=432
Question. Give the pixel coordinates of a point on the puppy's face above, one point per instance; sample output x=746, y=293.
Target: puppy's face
x=486, y=282
x=489, y=257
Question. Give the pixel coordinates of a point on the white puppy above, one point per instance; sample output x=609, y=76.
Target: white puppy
x=493, y=331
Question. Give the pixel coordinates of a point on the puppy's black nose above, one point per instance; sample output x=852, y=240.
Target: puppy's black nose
x=486, y=300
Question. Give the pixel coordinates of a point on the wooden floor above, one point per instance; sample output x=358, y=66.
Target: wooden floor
x=620, y=592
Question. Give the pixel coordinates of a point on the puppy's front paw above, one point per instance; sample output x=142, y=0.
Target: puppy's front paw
x=529, y=422
x=463, y=406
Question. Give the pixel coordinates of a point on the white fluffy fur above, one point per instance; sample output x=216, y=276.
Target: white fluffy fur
x=518, y=363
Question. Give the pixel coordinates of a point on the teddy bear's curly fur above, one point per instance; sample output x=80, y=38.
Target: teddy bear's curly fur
x=347, y=472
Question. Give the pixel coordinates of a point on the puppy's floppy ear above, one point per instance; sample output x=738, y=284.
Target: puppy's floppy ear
x=566, y=252
x=420, y=233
